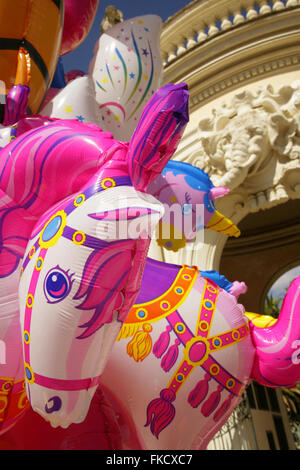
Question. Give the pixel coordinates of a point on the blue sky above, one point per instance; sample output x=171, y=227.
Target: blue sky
x=81, y=57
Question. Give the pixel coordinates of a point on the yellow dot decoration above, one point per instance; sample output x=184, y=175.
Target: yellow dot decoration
x=78, y=238
x=29, y=300
x=31, y=252
x=49, y=237
x=214, y=369
x=26, y=337
x=108, y=183
x=79, y=200
x=39, y=263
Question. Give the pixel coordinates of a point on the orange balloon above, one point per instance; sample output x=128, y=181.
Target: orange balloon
x=30, y=37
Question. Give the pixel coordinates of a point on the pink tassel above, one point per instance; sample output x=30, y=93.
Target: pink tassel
x=198, y=394
x=162, y=344
x=170, y=357
x=223, y=408
x=212, y=402
x=160, y=412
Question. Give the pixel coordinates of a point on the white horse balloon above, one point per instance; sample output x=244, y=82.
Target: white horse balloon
x=80, y=249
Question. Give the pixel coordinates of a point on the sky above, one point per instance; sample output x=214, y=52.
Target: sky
x=80, y=58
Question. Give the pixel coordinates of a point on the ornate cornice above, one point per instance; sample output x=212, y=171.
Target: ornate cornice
x=217, y=45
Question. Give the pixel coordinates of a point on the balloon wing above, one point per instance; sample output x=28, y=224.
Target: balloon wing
x=126, y=71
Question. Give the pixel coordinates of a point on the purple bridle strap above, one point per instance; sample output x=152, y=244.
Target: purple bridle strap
x=65, y=384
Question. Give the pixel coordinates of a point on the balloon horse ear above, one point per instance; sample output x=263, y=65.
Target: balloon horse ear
x=158, y=133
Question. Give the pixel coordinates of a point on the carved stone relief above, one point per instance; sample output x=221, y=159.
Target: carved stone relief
x=251, y=135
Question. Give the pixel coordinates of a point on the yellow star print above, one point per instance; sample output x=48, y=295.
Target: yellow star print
x=68, y=109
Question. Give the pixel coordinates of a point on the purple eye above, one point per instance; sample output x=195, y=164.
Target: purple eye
x=57, y=285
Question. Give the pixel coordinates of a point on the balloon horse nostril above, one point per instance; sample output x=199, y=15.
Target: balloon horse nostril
x=55, y=404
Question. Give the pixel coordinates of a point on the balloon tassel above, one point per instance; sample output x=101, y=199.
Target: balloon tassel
x=198, y=394
x=170, y=357
x=162, y=344
x=212, y=402
x=223, y=408
x=140, y=346
x=160, y=412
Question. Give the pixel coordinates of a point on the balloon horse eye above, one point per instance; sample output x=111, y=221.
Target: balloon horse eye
x=57, y=285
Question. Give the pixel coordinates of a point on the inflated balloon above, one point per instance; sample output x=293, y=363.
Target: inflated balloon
x=127, y=59
x=78, y=20
x=186, y=353
x=84, y=260
x=75, y=101
x=7, y=134
x=16, y=104
x=99, y=431
x=74, y=73
x=10, y=133
x=123, y=75
x=30, y=42
x=188, y=193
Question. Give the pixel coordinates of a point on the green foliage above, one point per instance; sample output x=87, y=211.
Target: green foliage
x=272, y=306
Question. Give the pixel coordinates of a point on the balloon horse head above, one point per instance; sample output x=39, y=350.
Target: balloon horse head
x=82, y=242
x=188, y=195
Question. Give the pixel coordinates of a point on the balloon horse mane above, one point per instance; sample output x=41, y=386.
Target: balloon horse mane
x=63, y=234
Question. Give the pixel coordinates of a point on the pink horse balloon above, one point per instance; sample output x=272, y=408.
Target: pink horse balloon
x=80, y=273
x=187, y=348
x=186, y=353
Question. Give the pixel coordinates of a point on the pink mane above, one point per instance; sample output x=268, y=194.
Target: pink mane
x=33, y=178
x=110, y=281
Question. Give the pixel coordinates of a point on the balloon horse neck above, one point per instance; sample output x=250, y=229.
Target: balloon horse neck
x=61, y=229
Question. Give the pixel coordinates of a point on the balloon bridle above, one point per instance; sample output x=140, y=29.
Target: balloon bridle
x=55, y=228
